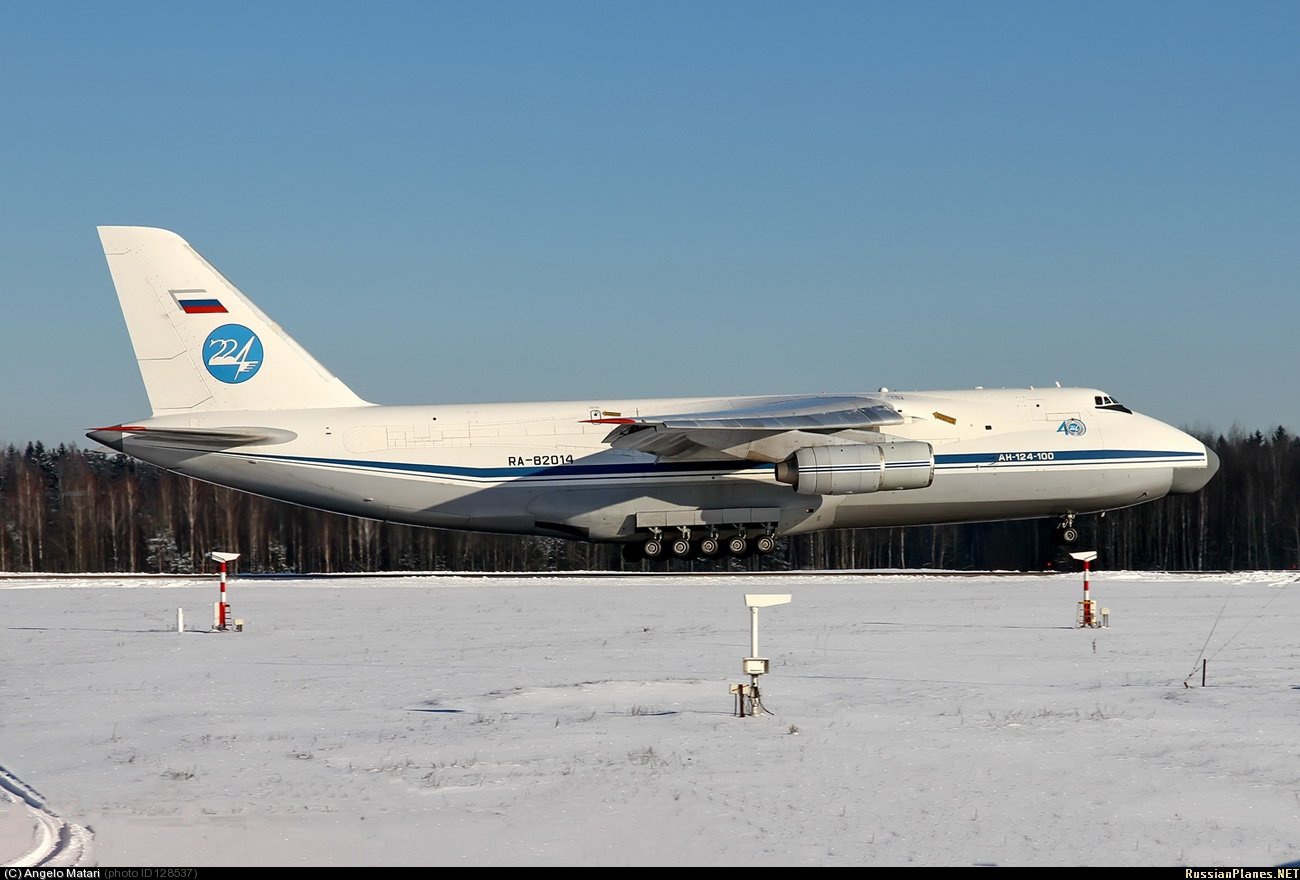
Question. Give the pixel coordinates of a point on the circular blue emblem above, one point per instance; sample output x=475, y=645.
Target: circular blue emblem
x=1073, y=428
x=232, y=354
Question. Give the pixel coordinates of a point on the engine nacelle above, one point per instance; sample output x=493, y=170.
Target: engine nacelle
x=859, y=467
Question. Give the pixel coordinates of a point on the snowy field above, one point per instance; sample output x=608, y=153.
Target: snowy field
x=586, y=721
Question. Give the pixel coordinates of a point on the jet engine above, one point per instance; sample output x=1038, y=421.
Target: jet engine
x=859, y=467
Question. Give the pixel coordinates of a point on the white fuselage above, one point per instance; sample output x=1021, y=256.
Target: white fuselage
x=543, y=468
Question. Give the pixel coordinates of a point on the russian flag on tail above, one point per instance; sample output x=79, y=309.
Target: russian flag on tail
x=192, y=303
x=201, y=306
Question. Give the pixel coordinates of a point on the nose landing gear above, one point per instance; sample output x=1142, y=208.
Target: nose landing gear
x=1066, y=533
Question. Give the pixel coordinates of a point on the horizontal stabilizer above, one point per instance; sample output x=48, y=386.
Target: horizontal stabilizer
x=198, y=438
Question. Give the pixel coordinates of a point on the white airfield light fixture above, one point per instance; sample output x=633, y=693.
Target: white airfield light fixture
x=754, y=665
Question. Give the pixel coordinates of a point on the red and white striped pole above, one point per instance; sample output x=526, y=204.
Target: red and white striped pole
x=1087, y=598
x=223, y=607
x=1086, y=557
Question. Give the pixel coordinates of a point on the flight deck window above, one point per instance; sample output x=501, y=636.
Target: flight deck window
x=1105, y=401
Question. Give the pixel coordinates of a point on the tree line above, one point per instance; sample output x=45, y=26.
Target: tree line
x=66, y=509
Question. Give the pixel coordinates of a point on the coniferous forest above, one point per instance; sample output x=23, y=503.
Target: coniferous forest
x=65, y=509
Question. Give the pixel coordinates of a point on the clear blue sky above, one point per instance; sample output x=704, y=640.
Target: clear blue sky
x=517, y=201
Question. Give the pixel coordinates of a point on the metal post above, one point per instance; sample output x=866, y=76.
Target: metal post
x=1087, y=599
x=753, y=631
x=221, y=616
x=1087, y=616
x=221, y=610
x=1202, y=672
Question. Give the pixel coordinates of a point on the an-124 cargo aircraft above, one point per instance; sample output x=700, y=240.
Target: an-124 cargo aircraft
x=237, y=402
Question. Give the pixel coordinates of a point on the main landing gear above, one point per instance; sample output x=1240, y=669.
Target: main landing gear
x=707, y=546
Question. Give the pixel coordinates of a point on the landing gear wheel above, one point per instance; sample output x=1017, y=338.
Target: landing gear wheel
x=708, y=547
x=1066, y=535
x=681, y=548
x=765, y=544
x=631, y=553
x=652, y=549
x=737, y=546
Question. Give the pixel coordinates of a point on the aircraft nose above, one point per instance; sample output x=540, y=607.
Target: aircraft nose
x=1189, y=480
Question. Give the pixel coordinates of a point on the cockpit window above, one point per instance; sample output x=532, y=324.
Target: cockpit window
x=1105, y=401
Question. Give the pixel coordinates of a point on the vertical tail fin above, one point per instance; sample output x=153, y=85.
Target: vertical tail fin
x=200, y=343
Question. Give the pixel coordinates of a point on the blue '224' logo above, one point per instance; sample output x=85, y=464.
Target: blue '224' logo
x=232, y=353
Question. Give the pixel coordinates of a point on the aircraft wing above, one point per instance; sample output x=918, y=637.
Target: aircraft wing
x=768, y=431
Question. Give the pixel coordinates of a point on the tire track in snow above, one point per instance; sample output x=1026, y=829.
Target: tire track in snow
x=55, y=843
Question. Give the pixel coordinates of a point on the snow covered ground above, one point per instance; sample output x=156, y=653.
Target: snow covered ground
x=586, y=721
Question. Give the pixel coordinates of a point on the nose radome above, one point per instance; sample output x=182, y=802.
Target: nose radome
x=1189, y=480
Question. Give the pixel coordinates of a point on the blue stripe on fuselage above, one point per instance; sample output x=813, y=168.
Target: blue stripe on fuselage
x=638, y=469
x=642, y=470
